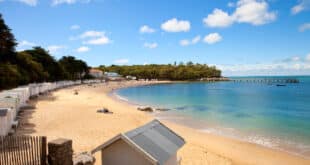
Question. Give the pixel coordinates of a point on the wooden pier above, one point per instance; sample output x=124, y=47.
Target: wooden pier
x=266, y=80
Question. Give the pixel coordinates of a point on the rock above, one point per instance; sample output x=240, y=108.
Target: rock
x=104, y=110
x=84, y=158
x=145, y=109
x=162, y=109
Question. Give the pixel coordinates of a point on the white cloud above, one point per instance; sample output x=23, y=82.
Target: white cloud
x=304, y=27
x=98, y=41
x=69, y=2
x=150, y=45
x=218, y=18
x=184, y=42
x=187, y=42
x=308, y=57
x=301, y=6
x=75, y=27
x=26, y=43
x=146, y=29
x=231, y=4
x=212, y=38
x=196, y=39
x=82, y=49
x=29, y=2
x=255, y=12
x=121, y=61
x=295, y=65
x=55, y=48
x=92, y=33
x=95, y=38
x=174, y=25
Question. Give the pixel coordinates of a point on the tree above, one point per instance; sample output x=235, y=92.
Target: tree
x=9, y=75
x=190, y=71
x=7, y=43
x=50, y=65
x=76, y=69
x=31, y=71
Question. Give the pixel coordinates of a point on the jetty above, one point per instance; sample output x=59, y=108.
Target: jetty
x=266, y=80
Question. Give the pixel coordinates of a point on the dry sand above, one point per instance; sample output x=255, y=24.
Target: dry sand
x=61, y=114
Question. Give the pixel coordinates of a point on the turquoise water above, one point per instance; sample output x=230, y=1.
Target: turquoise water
x=262, y=113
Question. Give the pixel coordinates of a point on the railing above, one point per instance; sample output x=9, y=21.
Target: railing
x=23, y=150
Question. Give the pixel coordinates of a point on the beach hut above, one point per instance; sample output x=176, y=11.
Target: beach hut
x=5, y=124
x=12, y=103
x=10, y=99
x=151, y=144
x=34, y=89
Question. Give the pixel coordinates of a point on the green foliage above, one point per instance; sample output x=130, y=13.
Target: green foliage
x=76, y=69
x=31, y=71
x=190, y=71
x=7, y=43
x=9, y=75
x=50, y=65
x=34, y=65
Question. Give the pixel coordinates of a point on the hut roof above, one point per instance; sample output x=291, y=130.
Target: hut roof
x=154, y=139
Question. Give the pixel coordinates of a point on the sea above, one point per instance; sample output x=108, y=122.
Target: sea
x=269, y=113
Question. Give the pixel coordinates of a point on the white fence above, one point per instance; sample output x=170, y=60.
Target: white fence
x=12, y=100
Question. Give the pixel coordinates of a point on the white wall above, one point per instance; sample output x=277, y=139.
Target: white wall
x=121, y=153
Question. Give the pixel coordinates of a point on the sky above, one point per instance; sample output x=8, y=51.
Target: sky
x=240, y=37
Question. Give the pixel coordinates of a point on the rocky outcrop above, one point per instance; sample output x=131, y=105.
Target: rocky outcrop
x=146, y=109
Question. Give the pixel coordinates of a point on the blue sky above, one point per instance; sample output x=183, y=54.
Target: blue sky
x=241, y=37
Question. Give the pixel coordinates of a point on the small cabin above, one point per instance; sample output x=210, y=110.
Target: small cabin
x=5, y=121
x=150, y=144
x=97, y=73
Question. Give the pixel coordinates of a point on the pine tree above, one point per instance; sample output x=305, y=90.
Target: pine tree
x=7, y=43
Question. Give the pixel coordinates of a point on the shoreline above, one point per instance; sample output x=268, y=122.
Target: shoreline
x=186, y=121
x=63, y=114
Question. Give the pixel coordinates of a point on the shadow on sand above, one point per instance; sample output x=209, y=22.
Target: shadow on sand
x=25, y=126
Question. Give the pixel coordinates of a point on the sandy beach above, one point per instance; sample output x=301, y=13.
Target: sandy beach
x=62, y=114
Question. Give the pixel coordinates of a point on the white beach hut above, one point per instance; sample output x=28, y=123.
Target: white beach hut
x=4, y=124
x=12, y=103
x=5, y=121
x=151, y=144
x=34, y=89
x=25, y=90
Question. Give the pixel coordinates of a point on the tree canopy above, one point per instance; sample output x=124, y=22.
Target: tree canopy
x=190, y=71
x=33, y=65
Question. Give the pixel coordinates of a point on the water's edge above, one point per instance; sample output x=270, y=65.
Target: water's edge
x=199, y=126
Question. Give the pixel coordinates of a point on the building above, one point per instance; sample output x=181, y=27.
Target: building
x=97, y=73
x=131, y=77
x=113, y=76
x=151, y=144
x=5, y=121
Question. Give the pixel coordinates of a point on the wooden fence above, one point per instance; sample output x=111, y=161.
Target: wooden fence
x=23, y=150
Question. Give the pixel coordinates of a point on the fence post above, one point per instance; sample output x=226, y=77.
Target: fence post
x=43, y=151
x=60, y=152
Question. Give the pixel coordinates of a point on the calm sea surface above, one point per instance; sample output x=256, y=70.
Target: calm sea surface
x=262, y=113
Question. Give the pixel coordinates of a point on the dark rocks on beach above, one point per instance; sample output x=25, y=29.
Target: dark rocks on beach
x=104, y=110
x=162, y=109
x=146, y=109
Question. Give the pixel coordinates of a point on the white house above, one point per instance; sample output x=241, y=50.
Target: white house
x=113, y=76
x=97, y=73
x=151, y=144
